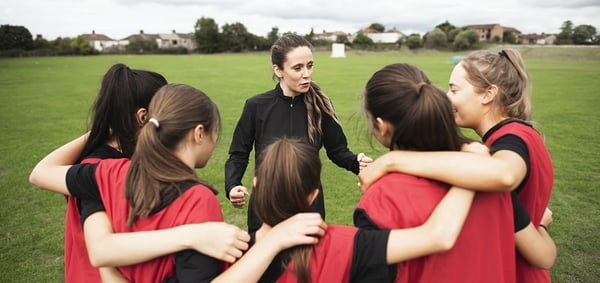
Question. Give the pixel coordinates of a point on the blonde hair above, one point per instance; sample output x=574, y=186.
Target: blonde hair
x=506, y=70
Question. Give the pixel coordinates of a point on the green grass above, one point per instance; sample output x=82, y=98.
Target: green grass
x=44, y=102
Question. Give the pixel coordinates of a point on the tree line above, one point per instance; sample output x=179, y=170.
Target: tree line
x=234, y=37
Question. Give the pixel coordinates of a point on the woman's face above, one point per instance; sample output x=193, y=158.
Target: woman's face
x=466, y=102
x=297, y=71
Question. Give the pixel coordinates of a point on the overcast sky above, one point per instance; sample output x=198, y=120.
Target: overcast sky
x=121, y=18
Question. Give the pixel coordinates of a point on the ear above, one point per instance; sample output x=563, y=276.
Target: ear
x=199, y=133
x=312, y=196
x=383, y=127
x=141, y=116
x=489, y=94
x=278, y=72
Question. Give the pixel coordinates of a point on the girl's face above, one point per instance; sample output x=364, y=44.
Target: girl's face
x=467, y=103
x=297, y=71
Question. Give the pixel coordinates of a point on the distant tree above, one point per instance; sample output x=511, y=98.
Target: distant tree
x=378, y=27
x=142, y=46
x=466, y=39
x=206, y=33
x=259, y=43
x=566, y=33
x=273, y=35
x=435, y=39
x=235, y=37
x=342, y=38
x=41, y=43
x=362, y=41
x=446, y=27
x=453, y=33
x=81, y=46
x=15, y=37
x=509, y=37
x=62, y=45
x=584, y=34
x=413, y=41
x=309, y=36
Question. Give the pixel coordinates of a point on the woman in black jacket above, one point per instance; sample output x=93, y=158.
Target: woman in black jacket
x=295, y=108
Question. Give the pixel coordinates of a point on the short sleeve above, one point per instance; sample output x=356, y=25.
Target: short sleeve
x=521, y=217
x=369, y=260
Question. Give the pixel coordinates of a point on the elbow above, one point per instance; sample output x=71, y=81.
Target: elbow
x=95, y=258
x=33, y=177
x=444, y=240
x=506, y=182
x=547, y=261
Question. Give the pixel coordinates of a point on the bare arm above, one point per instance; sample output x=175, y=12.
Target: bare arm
x=437, y=234
x=50, y=172
x=301, y=229
x=216, y=239
x=504, y=171
x=536, y=245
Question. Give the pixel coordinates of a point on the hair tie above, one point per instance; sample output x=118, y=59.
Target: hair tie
x=154, y=122
x=420, y=86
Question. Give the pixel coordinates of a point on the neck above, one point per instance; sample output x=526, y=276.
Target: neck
x=287, y=91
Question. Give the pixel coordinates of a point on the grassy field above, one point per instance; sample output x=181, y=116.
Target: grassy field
x=44, y=102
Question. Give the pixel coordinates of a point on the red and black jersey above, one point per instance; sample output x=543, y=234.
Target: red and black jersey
x=77, y=263
x=535, y=190
x=343, y=254
x=484, y=250
x=105, y=181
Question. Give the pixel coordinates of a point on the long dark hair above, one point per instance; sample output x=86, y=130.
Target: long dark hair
x=316, y=101
x=123, y=91
x=289, y=170
x=155, y=172
x=421, y=113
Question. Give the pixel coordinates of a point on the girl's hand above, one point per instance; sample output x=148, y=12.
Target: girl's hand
x=220, y=240
x=300, y=229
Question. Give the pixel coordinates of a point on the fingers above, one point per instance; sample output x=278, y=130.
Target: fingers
x=237, y=196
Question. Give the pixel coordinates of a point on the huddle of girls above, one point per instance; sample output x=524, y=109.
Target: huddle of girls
x=146, y=215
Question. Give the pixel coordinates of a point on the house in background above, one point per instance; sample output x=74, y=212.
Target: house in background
x=389, y=36
x=176, y=40
x=142, y=36
x=329, y=36
x=538, y=39
x=488, y=32
x=493, y=32
x=99, y=42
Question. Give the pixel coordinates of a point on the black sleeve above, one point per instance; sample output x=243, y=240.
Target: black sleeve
x=369, y=260
x=336, y=145
x=81, y=183
x=192, y=266
x=521, y=217
x=516, y=144
x=239, y=150
x=363, y=221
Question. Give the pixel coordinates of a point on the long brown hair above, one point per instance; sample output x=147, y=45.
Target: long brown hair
x=316, y=101
x=155, y=172
x=507, y=71
x=289, y=170
x=421, y=113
